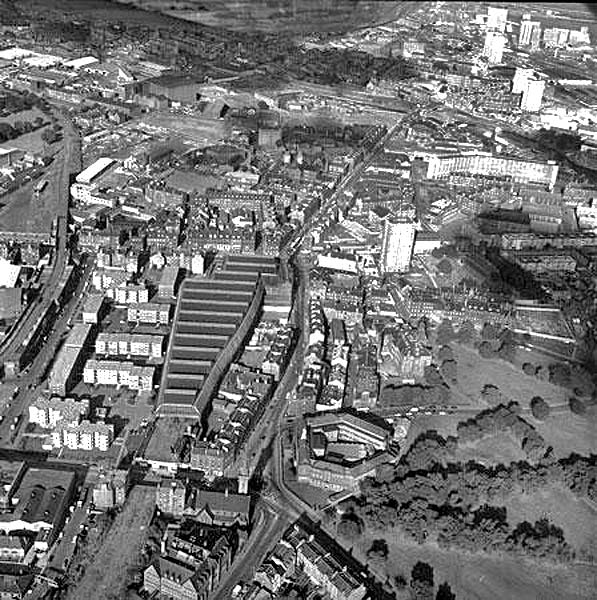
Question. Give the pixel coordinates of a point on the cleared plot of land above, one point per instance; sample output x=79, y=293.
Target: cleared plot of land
x=106, y=577
x=486, y=577
x=198, y=129
x=475, y=372
x=577, y=518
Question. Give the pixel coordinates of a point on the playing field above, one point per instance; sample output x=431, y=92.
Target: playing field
x=477, y=577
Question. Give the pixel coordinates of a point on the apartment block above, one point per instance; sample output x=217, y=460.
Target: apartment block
x=127, y=344
x=119, y=374
x=149, y=312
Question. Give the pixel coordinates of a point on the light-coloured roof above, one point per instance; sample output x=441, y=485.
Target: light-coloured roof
x=14, y=53
x=9, y=273
x=92, y=171
x=83, y=61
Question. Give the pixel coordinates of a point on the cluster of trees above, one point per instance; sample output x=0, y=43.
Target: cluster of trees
x=448, y=370
x=440, y=503
x=445, y=333
x=349, y=66
x=497, y=343
x=14, y=102
x=400, y=395
x=506, y=418
x=10, y=132
x=563, y=375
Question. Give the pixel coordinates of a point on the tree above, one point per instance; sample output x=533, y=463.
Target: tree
x=539, y=408
x=559, y=374
x=444, y=592
x=491, y=394
x=466, y=333
x=529, y=369
x=445, y=332
x=378, y=548
x=432, y=375
x=486, y=350
x=349, y=528
x=577, y=406
x=450, y=371
x=444, y=267
x=445, y=353
x=421, y=581
x=490, y=331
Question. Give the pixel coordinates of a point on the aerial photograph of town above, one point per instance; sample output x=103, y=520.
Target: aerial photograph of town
x=298, y=300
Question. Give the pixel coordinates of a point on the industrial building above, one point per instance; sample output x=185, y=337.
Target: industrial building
x=213, y=318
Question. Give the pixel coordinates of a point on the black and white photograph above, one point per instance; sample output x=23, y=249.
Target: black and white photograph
x=298, y=300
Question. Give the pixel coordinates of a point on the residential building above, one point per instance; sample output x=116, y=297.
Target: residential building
x=151, y=313
x=223, y=509
x=83, y=436
x=168, y=282
x=497, y=18
x=50, y=412
x=321, y=561
x=170, y=497
x=529, y=34
x=532, y=95
x=493, y=48
x=115, y=373
x=129, y=344
x=92, y=309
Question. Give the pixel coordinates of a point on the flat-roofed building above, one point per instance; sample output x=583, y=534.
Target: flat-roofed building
x=150, y=313
x=49, y=412
x=129, y=344
x=168, y=282
x=66, y=368
x=92, y=309
x=119, y=374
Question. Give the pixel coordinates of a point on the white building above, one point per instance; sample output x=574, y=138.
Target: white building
x=128, y=294
x=521, y=79
x=92, y=309
x=119, y=374
x=532, y=96
x=84, y=436
x=497, y=18
x=397, y=245
x=530, y=33
x=49, y=412
x=149, y=312
x=127, y=344
x=493, y=48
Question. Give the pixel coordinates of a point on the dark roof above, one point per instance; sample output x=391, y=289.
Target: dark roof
x=219, y=502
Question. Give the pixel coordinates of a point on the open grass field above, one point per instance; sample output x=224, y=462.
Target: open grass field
x=567, y=432
x=475, y=372
x=578, y=520
x=106, y=577
x=475, y=577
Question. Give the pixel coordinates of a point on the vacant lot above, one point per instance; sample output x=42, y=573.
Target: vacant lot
x=106, y=577
x=476, y=577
